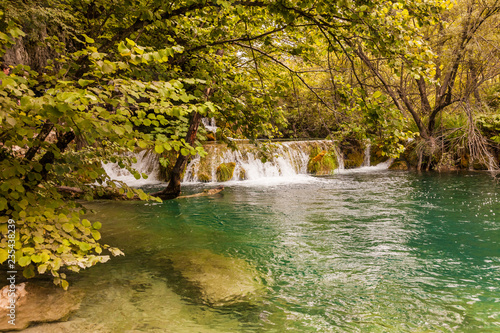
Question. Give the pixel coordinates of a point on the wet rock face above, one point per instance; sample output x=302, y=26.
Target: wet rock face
x=39, y=304
x=220, y=280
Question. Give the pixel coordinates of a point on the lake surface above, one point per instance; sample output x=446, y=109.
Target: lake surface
x=355, y=252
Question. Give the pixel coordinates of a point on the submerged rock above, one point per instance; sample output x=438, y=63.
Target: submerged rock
x=39, y=304
x=220, y=280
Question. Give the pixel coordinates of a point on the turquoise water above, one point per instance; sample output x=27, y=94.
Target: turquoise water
x=355, y=252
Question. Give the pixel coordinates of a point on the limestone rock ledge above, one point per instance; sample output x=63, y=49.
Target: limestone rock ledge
x=38, y=304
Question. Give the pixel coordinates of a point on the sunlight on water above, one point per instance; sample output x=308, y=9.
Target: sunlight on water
x=357, y=252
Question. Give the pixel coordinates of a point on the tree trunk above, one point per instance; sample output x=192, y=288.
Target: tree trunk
x=173, y=189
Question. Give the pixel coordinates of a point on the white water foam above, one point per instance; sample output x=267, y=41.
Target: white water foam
x=282, y=162
x=147, y=163
x=366, y=169
x=210, y=124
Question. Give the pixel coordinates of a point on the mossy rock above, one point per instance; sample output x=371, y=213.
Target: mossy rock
x=322, y=164
x=210, y=137
x=204, y=178
x=242, y=175
x=225, y=171
x=399, y=165
x=315, y=150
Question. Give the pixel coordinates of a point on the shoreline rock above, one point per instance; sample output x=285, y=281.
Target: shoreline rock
x=38, y=304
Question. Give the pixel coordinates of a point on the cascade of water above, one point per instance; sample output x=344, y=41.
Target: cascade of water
x=209, y=124
x=366, y=161
x=285, y=159
x=147, y=163
x=340, y=158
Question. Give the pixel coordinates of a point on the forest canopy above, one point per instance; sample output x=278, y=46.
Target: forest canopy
x=91, y=81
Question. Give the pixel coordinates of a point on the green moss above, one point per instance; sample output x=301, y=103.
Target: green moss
x=399, y=165
x=225, y=171
x=242, y=175
x=315, y=150
x=203, y=177
x=322, y=164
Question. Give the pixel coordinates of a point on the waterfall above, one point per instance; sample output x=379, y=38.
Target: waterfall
x=209, y=124
x=340, y=158
x=267, y=163
x=147, y=163
x=366, y=161
x=284, y=159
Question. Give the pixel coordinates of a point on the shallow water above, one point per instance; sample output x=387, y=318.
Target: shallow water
x=378, y=251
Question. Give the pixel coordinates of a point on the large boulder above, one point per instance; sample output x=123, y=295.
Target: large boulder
x=225, y=171
x=38, y=304
x=219, y=280
x=324, y=163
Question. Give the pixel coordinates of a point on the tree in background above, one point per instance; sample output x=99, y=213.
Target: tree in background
x=97, y=79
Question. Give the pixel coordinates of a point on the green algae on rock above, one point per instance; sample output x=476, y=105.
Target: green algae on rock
x=324, y=163
x=225, y=171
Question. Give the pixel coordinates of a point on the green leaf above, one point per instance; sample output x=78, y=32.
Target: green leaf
x=97, y=225
x=64, y=284
x=84, y=246
x=24, y=261
x=143, y=196
x=96, y=234
x=42, y=268
x=29, y=272
x=36, y=258
x=38, y=239
x=68, y=227
x=159, y=149
x=119, y=130
x=45, y=257
x=3, y=255
x=84, y=83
